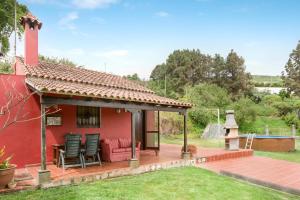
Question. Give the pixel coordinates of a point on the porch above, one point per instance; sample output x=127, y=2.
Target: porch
x=139, y=128
x=168, y=157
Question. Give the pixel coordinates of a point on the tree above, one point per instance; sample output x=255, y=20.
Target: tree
x=7, y=22
x=236, y=80
x=133, y=77
x=206, y=98
x=291, y=76
x=56, y=60
x=218, y=70
x=183, y=68
x=14, y=104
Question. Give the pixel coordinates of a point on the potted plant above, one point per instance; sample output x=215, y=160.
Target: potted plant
x=192, y=149
x=7, y=170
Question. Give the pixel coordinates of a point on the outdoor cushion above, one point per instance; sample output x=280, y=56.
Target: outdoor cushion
x=118, y=150
x=124, y=143
x=129, y=149
x=114, y=143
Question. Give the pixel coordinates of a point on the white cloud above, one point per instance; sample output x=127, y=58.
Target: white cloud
x=162, y=14
x=92, y=4
x=67, y=21
x=112, y=53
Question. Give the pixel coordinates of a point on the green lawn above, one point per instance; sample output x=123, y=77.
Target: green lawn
x=266, y=79
x=192, y=139
x=276, y=126
x=180, y=183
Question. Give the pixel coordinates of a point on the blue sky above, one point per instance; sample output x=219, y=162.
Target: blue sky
x=132, y=36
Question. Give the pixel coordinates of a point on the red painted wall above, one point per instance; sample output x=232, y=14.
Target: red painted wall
x=112, y=125
x=22, y=140
x=31, y=45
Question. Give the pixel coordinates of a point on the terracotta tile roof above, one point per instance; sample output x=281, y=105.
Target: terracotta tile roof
x=61, y=79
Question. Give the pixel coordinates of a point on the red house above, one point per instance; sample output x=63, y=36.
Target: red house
x=43, y=101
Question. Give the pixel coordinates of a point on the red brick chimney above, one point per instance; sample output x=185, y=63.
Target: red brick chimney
x=31, y=26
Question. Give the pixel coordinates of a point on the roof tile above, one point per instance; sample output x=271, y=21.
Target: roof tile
x=62, y=79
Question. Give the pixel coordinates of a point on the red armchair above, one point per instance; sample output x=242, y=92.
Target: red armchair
x=118, y=149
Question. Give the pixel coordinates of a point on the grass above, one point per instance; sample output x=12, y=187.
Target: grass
x=180, y=183
x=276, y=126
x=192, y=139
x=266, y=79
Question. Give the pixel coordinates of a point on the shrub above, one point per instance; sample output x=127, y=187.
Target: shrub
x=5, y=67
x=245, y=111
x=206, y=97
x=284, y=94
x=291, y=118
x=284, y=108
x=191, y=148
x=271, y=99
x=200, y=117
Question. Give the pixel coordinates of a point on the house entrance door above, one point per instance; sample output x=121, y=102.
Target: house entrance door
x=147, y=129
x=140, y=129
x=152, y=133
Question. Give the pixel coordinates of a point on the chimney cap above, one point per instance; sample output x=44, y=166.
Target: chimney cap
x=230, y=120
x=32, y=20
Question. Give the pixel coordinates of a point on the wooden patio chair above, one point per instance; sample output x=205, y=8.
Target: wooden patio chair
x=91, y=150
x=72, y=151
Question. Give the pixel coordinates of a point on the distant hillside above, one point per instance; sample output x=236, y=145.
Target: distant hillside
x=267, y=81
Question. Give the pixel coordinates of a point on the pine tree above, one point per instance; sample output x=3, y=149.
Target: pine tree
x=235, y=78
x=291, y=76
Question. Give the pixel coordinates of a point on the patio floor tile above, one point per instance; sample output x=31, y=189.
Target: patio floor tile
x=278, y=173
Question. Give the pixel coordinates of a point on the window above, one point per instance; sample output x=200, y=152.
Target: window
x=88, y=117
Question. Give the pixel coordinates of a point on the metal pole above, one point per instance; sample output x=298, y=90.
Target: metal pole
x=218, y=110
x=267, y=130
x=293, y=130
x=15, y=45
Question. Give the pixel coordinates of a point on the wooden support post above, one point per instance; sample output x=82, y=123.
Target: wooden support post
x=133, y=162
x=43, y=138
x=158, y=128
x=44, y=174
x=185, y=153
x=133, y=143
x=184, y=132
